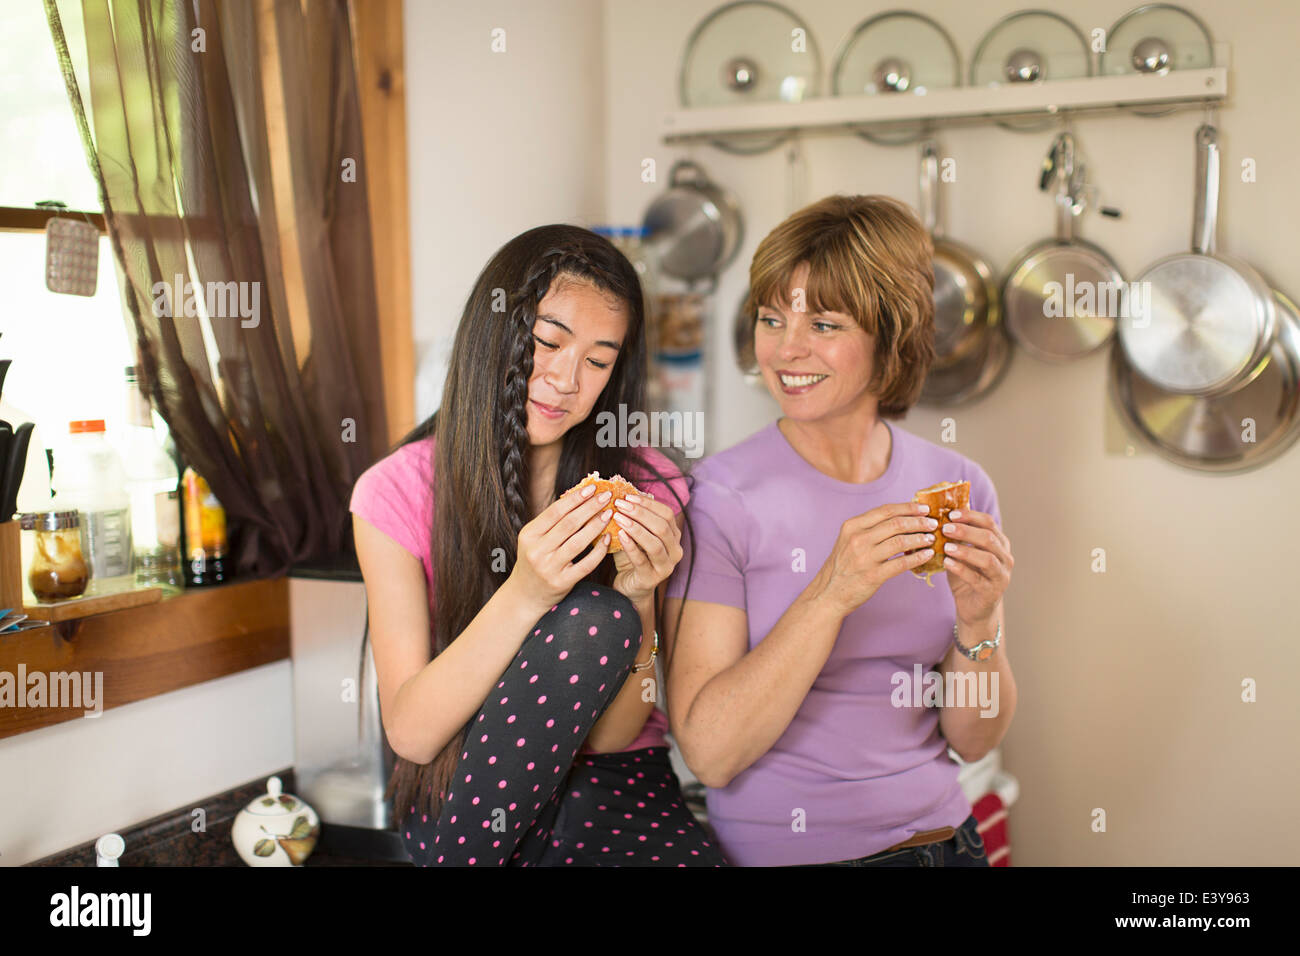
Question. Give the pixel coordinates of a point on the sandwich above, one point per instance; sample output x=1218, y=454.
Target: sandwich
x=942, y=498
x=621, y=488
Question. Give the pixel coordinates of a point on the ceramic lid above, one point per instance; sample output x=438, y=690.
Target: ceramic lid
x=273, y=803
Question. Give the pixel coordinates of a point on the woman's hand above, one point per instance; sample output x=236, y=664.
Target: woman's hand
x=651, y=544
x=544, y=571
x=978, y=562
x=862, y=561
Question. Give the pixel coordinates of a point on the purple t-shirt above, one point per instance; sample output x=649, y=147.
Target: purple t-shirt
x=866, y=774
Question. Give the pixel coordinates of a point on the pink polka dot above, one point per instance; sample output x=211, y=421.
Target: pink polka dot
x=595, y=594
x=550, y=637
x=573, y=679
x=504, y=699
x=461, y=840
x=573, y=612
x=475, y=801
x=602, y=687
x=554, y=606
x=502, y=684
x=531, y=765
x=513, y=805
x=453, y=818
x=554, y=747
x=542, y=699
x=440, y=859
x=520, y=743
x=533, y=679
x=471, y=861
x=468, y=776
x=496, y=843
x=627, y=643
x=539, y=630
x=510, y=719
x=618, y=613
x=604, y=659
x=492, y=759
x=563, y=654
x=483, y=739
x=592, y=630
x=424, y=818
x=577, y=705
x=550, y=723
x=523, y=665
x=501, y=784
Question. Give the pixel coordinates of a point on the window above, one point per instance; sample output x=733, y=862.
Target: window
x=68, y=352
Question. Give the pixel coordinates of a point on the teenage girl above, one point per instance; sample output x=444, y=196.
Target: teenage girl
x=515, y=658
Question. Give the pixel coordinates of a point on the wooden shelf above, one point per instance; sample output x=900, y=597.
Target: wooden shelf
x=956, y=106
x=87, y=605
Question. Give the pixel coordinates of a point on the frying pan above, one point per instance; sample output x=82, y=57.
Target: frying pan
x=13, y=466
x=1205, y=431
x=1212, y=318
x=695, y=227
x=1040, y=307
x=965, y=293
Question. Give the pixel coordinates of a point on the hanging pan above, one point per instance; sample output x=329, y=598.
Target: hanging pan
x=965, y=292
x=1060, y=295
x=1227, y=432
x=694, y=229
x=1209, y=319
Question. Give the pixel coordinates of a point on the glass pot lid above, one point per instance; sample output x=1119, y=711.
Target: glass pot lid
x=1028, y=47
x=896, y=52
x=750, y=51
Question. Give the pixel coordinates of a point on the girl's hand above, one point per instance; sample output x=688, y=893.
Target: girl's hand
x=544, y=571
x=651, y=544
x=978, y=563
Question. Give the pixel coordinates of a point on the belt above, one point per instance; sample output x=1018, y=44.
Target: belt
x=923, y=838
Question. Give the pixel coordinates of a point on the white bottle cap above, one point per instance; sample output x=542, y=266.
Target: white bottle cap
x=108, y=848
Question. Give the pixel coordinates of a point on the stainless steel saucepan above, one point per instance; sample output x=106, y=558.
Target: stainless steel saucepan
x=1060, y=296
x=1212, y=318
x=965, y=292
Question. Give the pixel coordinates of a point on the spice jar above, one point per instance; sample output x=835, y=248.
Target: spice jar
x=58, y=569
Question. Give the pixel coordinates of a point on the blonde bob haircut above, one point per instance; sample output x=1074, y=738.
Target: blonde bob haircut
x=869, y=257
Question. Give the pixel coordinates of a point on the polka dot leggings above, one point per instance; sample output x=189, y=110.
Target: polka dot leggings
x=518, y=798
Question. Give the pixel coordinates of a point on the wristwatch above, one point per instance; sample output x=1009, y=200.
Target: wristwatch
x=981, y=651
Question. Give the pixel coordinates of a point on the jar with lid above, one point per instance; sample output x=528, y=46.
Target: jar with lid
x=57, y=569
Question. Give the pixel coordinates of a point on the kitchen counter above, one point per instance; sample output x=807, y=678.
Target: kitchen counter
x=168, y=840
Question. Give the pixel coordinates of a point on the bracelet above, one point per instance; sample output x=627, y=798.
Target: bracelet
x=981, y=651
x=654, y=651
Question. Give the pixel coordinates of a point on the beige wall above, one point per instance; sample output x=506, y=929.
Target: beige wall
x=1130, y=681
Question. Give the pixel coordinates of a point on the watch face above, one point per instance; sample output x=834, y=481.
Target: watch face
x=985, y=652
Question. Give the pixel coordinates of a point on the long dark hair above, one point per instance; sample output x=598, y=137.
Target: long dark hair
x=481, y=465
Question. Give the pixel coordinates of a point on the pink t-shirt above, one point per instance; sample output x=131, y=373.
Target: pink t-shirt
x=395, y=496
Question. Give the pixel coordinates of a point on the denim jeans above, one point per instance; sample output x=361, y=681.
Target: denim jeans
x=964, y=848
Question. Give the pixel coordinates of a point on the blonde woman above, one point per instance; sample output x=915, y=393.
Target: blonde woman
x=790, y=693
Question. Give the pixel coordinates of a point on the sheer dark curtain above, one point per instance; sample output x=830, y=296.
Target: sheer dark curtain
x=226, y=140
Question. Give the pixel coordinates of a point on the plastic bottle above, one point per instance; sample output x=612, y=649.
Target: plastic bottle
x=91, y=478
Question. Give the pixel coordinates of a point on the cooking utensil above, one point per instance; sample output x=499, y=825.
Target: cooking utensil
x=13, y=472
x=965, y=292
x=1045, y=301
x=1205, y=432
x=1154, y=39
x=1211, y=318
x=1027, y=47
x=898, y=51
x=694, y=230
x=973, y=376
x=743, y=52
